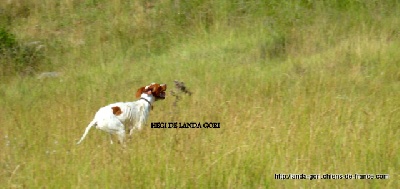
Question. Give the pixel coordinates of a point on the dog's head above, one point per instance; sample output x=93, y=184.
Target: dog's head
x=155, y=89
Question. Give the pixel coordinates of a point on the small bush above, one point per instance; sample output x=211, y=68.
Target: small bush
x=275, y=47
x=7, y=40
x=18, y=58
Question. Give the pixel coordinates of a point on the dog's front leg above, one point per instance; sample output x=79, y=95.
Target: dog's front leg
x=136, y=127
x=131, y=129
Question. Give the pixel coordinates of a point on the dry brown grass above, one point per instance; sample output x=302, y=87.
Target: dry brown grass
x=327, y=104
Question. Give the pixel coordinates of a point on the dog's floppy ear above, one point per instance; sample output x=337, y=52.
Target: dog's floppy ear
x=163, y=87
x=139, y=92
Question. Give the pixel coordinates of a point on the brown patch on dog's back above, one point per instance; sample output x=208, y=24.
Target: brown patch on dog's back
x=116, y=110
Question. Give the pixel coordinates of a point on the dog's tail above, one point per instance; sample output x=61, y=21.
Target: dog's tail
x=91, y=124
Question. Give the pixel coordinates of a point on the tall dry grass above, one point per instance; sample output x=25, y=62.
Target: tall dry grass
x=298, y=87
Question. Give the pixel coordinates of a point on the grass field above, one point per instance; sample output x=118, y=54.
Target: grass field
x=298, y=87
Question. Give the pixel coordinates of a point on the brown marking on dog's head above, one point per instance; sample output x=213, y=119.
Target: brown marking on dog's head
x=155, y=89
x=116, y=110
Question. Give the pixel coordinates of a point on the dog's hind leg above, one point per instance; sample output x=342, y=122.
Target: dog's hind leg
x=115, y=126
x=111, y=142
x=121, y=136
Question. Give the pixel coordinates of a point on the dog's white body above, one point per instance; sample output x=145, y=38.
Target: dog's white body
x=113, y=118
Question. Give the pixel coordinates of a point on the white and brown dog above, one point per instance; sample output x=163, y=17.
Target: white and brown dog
x=115, y=117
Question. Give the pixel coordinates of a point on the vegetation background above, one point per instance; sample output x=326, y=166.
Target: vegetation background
x=299, y=86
